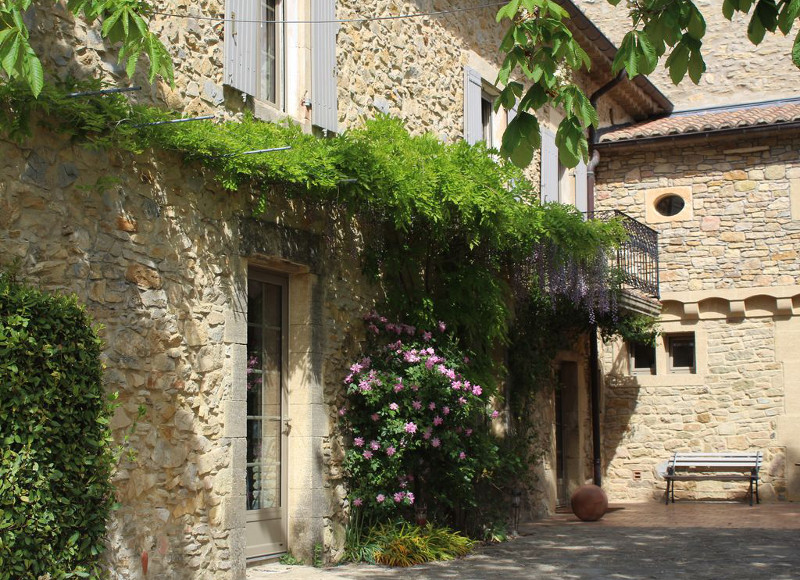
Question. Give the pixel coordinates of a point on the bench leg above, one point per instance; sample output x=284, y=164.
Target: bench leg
x=666, y=495
x=751, y=492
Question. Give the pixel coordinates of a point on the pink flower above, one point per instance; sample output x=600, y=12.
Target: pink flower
x=380, y=498
x=366, y=361
x=342, y=411
x=477, y=390
x=374, y=445
x=427, y=434
x=462, y=455
x=410, y=427
x=436, y=442
x=398, y=497
x=410, y=497
x=367, y=454
x=358, y=442
x=374, y=417
x=432, y=406
x=456, y=385
x=390, y=451
x=373, y=329
x=394, y=406
x=417, y=405
x=495, y=414
x=426, y=336
x=415, y=388
x=398, y=387
x=356, y=368
x=437, y=420
x=468, y=432
x=358, y=502
x=446, y=410
x=430, y=363
x=348, y=379
x=442, y=326
x=466, y=360
x=462, y=401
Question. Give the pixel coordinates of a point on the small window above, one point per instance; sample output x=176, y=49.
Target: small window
x=643, y=359
x=681, y=353
x=670, y=205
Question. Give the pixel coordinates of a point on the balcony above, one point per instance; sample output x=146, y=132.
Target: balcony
x=636, y=260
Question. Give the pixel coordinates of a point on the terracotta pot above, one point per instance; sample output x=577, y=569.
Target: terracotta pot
x=589, y=503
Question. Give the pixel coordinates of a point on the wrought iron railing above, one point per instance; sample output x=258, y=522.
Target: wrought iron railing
x=636, y=259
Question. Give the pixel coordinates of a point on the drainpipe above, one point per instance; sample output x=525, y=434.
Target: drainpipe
x=594, y=366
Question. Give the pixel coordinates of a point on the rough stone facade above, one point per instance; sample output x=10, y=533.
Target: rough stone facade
x=737, y=71
x=729, y=277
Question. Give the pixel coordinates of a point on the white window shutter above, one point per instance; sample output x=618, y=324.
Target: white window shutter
x=549, y=172
x=473, y=125
x=581, y=188
x=324, y=102
x=242, y=31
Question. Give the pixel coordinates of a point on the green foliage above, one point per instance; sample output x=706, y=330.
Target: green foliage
x=123, y=23
x=289, y=560
x=402, y=544
x=539, y=44
x=629, y=327
x=55, y=458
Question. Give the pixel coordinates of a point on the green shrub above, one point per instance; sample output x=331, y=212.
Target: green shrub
x=403, y=544
x=55, y=456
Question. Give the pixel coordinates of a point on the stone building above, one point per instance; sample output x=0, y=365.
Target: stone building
x=722, y=188
x=235, y=458
x=719, y=184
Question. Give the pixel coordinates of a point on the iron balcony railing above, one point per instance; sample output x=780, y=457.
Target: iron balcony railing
x=636, y=259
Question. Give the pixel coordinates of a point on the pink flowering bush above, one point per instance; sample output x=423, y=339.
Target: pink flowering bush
x=417, y=424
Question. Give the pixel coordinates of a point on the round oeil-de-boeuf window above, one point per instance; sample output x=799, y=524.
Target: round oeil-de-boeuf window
x=670, y=205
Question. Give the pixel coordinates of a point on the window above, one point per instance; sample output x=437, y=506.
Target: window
x=670, y=205
x=643, y=358
x=481, y=122
x=268, y=61
x=681, y=353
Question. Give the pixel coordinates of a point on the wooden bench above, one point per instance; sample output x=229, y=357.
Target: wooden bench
x=714, y=466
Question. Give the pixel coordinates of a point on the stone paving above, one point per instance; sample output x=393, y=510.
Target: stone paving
x=690, y=540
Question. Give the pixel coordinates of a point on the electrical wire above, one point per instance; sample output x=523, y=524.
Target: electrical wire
x=341, y=21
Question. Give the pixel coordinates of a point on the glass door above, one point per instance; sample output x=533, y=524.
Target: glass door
x=266, y=433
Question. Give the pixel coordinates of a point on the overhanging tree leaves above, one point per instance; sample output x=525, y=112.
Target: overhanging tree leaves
x=539, y=44
x=123, y=21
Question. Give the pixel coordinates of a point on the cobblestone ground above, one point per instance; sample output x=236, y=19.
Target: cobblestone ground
x=689, y=540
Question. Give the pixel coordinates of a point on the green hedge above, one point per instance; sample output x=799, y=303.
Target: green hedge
x=55, y=446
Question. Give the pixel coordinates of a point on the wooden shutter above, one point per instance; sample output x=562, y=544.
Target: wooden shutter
x=473, y=125
x=581, y=188
x=549, y=173
x=324, y=102
x=242, y=31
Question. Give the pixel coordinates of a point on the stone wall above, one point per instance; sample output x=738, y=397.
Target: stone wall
x=740, y=228
x=733, y=404
x=159, y=252
x=737, y=72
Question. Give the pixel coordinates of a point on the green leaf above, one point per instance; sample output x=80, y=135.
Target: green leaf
x=756, y=30
x=647, y=60
x=789, y=13
x=796, y=51
x=696, y=66
x=35, y=75
x=508, y=11
x=697, y=24
x=727, y=9
x=678, y=62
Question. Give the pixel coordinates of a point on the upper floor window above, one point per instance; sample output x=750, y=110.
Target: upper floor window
x=481, y=122
x=269, y=60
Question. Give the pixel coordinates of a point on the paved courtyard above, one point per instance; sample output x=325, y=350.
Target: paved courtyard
x=683, y=540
